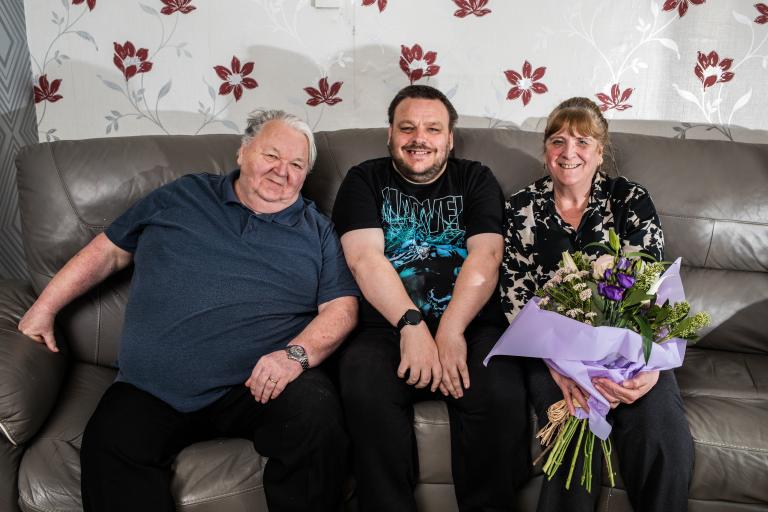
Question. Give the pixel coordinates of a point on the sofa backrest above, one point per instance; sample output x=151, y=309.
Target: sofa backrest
x=711, y=197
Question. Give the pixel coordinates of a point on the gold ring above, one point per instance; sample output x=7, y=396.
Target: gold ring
x=270, y=379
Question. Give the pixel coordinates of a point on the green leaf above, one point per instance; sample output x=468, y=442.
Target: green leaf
x=635, y=296
x=641, y=254
x=647, y=333
x=613, y=240
x=602, y=246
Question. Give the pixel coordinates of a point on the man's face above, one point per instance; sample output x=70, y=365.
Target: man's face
x=419, y=139
x=273, y=167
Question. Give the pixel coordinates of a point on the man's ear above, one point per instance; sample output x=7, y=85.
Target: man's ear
x=389, y=135
x=240, y=156
x=450, y=141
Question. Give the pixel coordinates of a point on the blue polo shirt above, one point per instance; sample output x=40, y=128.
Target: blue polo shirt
x=216, y=286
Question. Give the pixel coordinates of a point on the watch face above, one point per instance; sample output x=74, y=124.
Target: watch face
x=412, y=317
x=296, y=350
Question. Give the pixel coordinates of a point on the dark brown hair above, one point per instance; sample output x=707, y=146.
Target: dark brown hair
x=424, y=92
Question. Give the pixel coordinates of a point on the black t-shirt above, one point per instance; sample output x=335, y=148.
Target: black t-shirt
x=425, y=226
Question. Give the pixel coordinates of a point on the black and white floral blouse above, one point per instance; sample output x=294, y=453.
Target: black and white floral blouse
x=535, y=235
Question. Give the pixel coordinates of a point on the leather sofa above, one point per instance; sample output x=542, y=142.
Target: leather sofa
x=713, y=202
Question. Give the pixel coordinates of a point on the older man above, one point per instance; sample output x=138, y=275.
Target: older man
x=240, y=290
x=422, y=234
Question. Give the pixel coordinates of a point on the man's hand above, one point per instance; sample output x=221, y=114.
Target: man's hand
x=452, y=349
x=418, y=357
x=628, y=391
x=571, y=392
x=37, y=323
x=271, y=375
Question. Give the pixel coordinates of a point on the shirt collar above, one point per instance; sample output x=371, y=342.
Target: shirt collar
x=288, y=216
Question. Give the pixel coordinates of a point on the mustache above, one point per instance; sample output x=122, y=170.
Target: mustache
x=417, y=147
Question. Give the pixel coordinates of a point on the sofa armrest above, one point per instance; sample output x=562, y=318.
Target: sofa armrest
x=30, y=375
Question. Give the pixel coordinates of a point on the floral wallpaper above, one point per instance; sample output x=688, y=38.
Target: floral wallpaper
x=104, y=68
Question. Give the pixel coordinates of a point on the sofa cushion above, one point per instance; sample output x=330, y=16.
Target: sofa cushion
x=726, y=401
x=29, y=372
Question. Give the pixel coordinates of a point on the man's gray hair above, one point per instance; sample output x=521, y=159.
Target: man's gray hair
x=258, y=118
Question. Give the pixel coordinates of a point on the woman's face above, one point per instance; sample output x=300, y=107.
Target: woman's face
x=572, y=160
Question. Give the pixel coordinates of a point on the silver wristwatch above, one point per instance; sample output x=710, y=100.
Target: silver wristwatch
x=298, y=354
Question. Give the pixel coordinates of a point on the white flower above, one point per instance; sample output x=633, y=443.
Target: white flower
x=573, y=313
x=585, y=294
x=579, y=286
x=587, y=322
x=544, y=301
x=568, y=262
x=600, y=265
x=560, y=309
x=570, y=277
x=591, y=314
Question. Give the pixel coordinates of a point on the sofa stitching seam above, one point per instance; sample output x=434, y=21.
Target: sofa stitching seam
x=712, y=219
x=733, y=446
x=220, y=496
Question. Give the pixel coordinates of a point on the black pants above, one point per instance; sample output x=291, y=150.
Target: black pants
x=133, y=437
x=651, y=437
x=490, y=444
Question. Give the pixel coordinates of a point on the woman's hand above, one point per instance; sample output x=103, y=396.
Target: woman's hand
x=628, y=391
x=571, y=392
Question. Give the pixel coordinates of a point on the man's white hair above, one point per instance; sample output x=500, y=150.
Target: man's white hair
x=258, y=118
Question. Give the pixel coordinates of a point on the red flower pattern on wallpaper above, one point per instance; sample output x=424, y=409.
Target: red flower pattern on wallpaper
x=682, y=5
x=182, y=6
x=325, y=94
x=130, y=61
x=526, y=83
x=236, y=78
x=467, y=7
x=711, y=70
x=381, y=3
x=90, y=3
x=763, y=10
x=45, y=91
x=416, y=63
x=616, y=99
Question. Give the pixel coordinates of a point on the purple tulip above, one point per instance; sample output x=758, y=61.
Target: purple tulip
x=608, y=273
x=610, y=291
x=623, y=264
x=625, y=280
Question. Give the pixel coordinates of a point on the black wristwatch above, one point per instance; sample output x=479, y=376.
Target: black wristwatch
x=298, y=354
x=411, y=317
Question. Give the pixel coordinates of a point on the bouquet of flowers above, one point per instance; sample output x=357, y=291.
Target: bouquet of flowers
x=613, y=317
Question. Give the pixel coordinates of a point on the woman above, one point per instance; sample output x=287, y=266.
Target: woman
x=575, y=205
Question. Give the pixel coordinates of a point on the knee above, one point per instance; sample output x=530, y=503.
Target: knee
x=498, y=388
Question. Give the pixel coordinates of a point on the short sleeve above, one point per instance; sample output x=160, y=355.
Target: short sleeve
x=484, y=203
x=335, y=278
x=125, y=231
x=355, y=206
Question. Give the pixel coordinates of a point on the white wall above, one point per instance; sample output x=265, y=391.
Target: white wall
x=586, y=47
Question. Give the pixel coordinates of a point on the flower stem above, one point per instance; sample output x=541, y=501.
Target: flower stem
x=575, y=454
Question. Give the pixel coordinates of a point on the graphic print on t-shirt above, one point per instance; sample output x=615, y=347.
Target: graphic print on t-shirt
x=424, y=241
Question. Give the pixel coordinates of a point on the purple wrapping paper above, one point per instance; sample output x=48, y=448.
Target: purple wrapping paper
x=583, y=352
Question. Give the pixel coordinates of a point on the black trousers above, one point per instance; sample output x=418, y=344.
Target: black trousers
x=490, y=444
x=133, y=437
x=652, y=439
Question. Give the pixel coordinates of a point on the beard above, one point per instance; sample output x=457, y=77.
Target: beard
x=411, y=174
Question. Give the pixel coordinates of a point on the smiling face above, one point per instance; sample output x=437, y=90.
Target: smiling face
x=420, y=139
x=273, y=167
x=572, y=159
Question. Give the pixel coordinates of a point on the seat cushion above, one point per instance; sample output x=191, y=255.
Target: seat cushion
x=726, y=401
x=219, y=475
